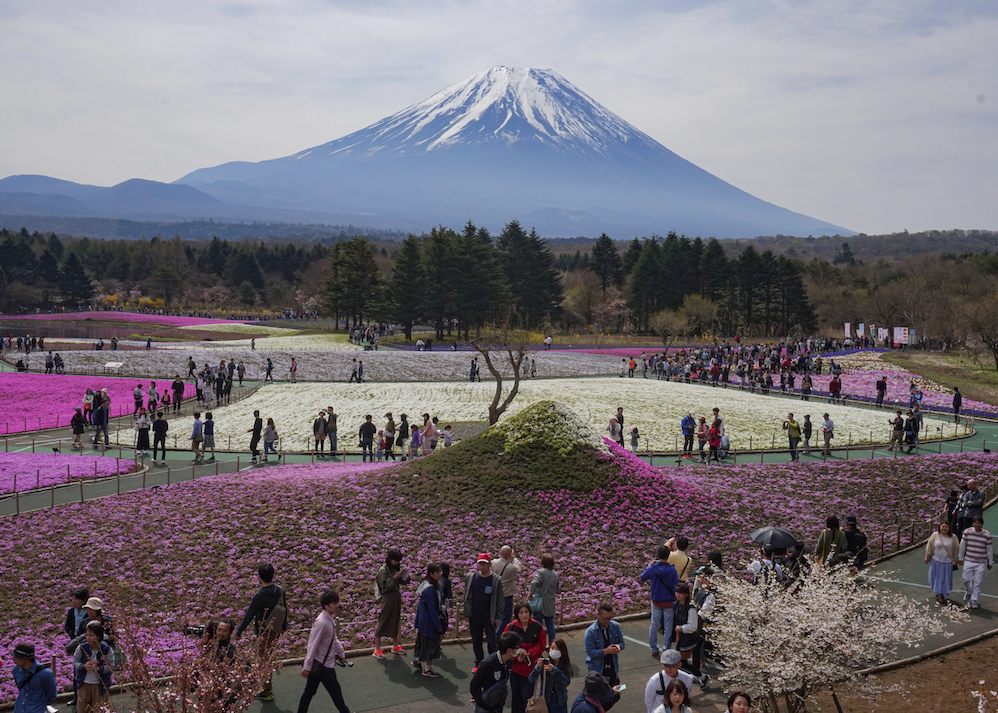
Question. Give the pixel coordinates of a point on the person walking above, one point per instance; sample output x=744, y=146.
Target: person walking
x=79, y=425
x=483, y=603
x=429, y=621
x=209, y=435
x=142, y=425
x=294, y=370
x=688, y=427
x=178, y=393
x=663, y=578
x=331, y=418
x=197, y=438
x=942, y=552
x=324, y=652
x=828, y=432
x=977, y=556
x=35, y=681
x=897, y=431
x=403, y=434
x=388, y=581
x=159, y=428
x=270, y=437
x=257, y=430
x=93, y=662
x=268, y=610
x=957, y=404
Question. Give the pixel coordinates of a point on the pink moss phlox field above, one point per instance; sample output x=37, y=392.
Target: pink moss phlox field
x=132, y=317
x=45, y=469
x=190, y=551
x=44, y=398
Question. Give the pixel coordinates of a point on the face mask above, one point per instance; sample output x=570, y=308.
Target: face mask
x=555, y=654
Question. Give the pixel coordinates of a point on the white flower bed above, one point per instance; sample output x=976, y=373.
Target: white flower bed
x=381, y=365
x=241, y=328
x=655, y=407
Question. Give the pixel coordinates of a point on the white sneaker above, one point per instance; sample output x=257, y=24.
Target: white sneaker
x=974, y=604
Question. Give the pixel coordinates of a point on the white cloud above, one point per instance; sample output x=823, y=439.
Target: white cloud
x=877, y=116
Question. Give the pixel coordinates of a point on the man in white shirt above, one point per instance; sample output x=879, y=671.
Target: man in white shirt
x=324, y=649
x=828, y=431
x=659, y=681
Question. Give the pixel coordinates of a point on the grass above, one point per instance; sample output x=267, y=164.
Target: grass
x=976, y=381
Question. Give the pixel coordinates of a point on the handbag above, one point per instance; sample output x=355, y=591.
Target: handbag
x=537, y=704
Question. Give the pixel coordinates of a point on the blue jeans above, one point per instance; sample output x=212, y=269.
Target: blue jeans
x=507, y=616
x=660, y=619
x=549, y=626
x=268, y=447
x=332, y=443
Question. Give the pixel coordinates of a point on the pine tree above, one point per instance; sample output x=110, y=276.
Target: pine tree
x=606, y=263
x=406, y=292
x=530, y=271
x=75, y=285
x=631, y=256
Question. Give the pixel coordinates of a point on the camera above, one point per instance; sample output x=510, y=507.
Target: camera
x=406, y=577
x=196, y=630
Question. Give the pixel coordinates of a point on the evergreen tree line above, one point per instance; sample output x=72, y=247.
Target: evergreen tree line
x=755, y=293
x=49, y=270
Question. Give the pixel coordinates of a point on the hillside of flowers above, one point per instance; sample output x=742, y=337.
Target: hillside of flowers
x=116, y=318
x=41, y=470
x=178, y=555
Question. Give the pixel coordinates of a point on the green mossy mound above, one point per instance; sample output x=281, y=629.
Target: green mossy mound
x=543, y=447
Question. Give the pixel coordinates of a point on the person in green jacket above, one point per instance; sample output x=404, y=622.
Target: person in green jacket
x=793, y=433
x=831, y=541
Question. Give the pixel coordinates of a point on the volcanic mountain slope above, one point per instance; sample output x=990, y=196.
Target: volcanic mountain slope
x=507, y=143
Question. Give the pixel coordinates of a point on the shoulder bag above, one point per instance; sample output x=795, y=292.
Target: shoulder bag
x=538, y=704
x=536, y=601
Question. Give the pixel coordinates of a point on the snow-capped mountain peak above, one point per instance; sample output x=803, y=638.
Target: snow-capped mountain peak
x=504, y=105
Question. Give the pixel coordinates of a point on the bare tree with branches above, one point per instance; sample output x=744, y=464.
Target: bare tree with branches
x=503, y=346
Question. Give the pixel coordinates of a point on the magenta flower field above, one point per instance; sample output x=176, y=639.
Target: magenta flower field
x=329, y=525
x=33, y=470
x=132, y=317
x=34, y=401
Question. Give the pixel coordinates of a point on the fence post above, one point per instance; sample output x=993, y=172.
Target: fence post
x=38, y=479
x=53, y=495
x=32, y=444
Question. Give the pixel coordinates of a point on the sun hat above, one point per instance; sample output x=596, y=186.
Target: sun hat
x=484, y=557
x=671, y=657
x=596, y=685
x=95, y=604
x=24, y=651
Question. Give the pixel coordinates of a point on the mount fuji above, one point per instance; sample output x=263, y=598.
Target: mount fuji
x=506, y=143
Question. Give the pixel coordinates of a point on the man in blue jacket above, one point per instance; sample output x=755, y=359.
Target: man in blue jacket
x=688, y=424
x=663, y=578
x=35, y=682
x=604, y=640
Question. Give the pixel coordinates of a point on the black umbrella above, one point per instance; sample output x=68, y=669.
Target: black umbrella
x=775, y=537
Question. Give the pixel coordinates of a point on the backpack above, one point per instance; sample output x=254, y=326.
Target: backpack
x=275, y=621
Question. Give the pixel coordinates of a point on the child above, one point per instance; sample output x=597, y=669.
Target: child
x=448, y=434
x=380, y=451
x=209, y=435
x=634, y=439
x=415, y=443
x=166, y=400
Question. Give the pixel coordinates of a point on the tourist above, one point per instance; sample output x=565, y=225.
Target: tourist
x=977, y=556
x=620, y=422
x=663, y=578
x=658, y=684
x=389, y=431
x=353, y=372
x=241, y=371
x=488, y=684
x=197, y=438
x=319, y=432
x=153, y=395
x=178, y=393
x=688, y=427
x=941, y=554
x=483, y=604
x=856, y=540
x=388, y=582
x=957, y=403
x=270, y=437
x=676, y=699
x=429, y=434
x=688, y=632
x=972, y=503
x=435, y=439
x=367, y=433
x=101, y=424
x=76, y=615
x=828, y=433
x=533, y=644
x=613, y=428
x=805, y=388
x=268, y=610
x=159, y=428
x=508, y=567
x=257, y=431
x=79, y=426
x=137, y=398
x=597, y=695
x=270, y=371
x=897, y=431
x=429, y=621
x=806, y=431
x=793, y=434
x=360, y=371
x=446, y=593
x=678, y=557
x=739, y=702
x=209, y=435
x=555, y=672
x=714, y=436
x=832, y=541
x=448, y=436
x=142, y=425
x=415, y=442
x=881, y=390
x=703, y=435
x=546, y=586
x=323, y=653
x=294, y=370
x=93, y=662
x=35, y=681
x=634, y=439
x=604, y=640
x=88, y=406
x=950, y=509
x=403, y=434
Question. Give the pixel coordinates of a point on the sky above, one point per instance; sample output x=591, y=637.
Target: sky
x=879, y=117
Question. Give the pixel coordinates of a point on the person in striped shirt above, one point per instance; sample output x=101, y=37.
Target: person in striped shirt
x=977, y=556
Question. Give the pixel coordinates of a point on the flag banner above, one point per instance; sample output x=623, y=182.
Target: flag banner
x=848, y=329
x=861, y=330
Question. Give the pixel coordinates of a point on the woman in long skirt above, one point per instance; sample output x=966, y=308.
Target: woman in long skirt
x=142, y=426
x=389, y=580
x=941, y=553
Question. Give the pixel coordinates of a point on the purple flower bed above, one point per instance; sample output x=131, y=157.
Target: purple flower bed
x=34, y=470
x=35, y=401
x=330, y=524
x=134, y=317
